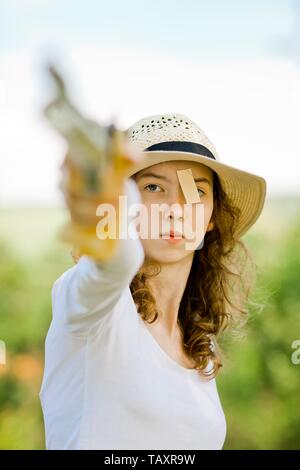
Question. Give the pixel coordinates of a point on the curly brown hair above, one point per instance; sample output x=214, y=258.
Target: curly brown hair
x=218, y=287
x=217, y=291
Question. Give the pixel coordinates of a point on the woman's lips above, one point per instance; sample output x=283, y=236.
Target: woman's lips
x=172, y=237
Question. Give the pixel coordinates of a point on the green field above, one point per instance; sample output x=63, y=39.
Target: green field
x=259, y=385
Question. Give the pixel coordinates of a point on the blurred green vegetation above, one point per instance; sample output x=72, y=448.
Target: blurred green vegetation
x=259, y=386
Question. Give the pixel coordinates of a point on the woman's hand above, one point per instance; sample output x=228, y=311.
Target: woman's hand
x=82, y=206
x=82, y=202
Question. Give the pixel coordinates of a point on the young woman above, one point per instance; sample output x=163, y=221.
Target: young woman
x=131, y=352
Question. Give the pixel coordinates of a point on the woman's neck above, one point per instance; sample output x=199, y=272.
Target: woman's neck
x=168, y=288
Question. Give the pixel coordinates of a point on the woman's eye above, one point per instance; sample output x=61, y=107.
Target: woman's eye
x=152, y=188
x=201, y=191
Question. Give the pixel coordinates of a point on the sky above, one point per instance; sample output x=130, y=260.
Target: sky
x=231, y=66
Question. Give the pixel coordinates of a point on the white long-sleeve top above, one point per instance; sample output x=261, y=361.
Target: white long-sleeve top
x=107, y=383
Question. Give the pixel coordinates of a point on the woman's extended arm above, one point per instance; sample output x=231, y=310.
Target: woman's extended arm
x=87, y=292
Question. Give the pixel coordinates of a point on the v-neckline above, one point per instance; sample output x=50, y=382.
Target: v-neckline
x=163, y=353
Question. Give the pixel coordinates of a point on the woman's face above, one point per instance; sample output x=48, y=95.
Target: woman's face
x=159, y=184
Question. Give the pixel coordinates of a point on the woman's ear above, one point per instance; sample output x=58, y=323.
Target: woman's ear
x=210, y=226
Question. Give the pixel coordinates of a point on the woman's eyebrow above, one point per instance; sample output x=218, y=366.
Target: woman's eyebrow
x=165, y=178
x=202, y=180
x=153, y=175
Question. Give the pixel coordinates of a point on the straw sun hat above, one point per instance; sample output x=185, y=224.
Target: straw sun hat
x=167, y=137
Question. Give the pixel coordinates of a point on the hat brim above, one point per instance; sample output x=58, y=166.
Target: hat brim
x=245, y=190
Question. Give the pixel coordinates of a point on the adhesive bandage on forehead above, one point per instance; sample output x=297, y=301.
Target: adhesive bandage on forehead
x=188, y=186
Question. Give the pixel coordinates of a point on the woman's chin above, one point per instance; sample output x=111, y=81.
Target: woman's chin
x=163, y=252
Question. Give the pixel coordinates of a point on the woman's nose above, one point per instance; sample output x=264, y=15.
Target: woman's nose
x=177, y=197
x=175, y=201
